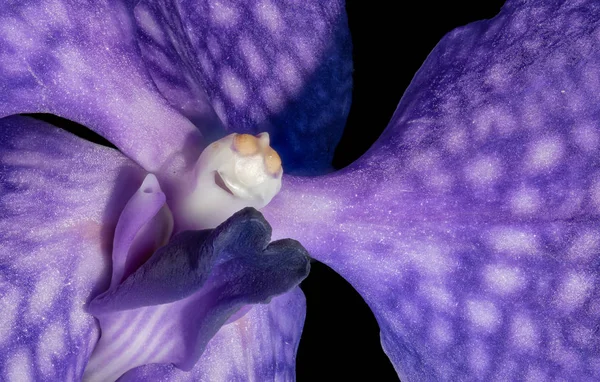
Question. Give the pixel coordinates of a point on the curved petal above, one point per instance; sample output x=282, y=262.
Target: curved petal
x=471, y=227
x=60, y=198
x=261, y=346
x=280, y=67
x=80, y=60
x=168, y=310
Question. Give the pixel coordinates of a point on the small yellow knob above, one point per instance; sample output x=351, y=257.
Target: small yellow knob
x=272, y=161
x=245, y=144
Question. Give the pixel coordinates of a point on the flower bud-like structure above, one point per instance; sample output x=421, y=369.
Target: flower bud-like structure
x=237, y=171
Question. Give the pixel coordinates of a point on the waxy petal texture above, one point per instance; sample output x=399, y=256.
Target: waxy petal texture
x=261, y=346
x=80, y=60
x=280, y=67
x=471, y=228
x=168, y=310
x=60, y=198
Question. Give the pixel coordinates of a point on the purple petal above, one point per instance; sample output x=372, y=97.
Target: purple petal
x=259, y=347
x=168, y=310
x=60, y=198
x=471, y=227
x=81, y=62
x=281, y=67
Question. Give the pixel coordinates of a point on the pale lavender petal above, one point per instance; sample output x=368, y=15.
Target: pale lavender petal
x=281, y=67
x=60, y=198
x=168, y=310
x=261, y=346
x=471, y=227
x=80, y=60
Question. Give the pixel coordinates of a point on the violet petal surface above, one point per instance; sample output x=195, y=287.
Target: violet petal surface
x=60, y=198
x=471, y=226
x=80, y=61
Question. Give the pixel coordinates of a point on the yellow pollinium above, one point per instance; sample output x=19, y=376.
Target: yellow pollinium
x=246, y=144
x=272, y=161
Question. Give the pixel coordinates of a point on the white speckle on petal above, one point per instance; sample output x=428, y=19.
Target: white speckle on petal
x=524, y=333
x=544, y=154
x=586, y=137
x=503, y=279
x=268, y=14
x=438, y=296
x=9, y=306
x=289, y=74
x=428, y=258
x=46, y=291
x=525, y=201
x=455, y=140
x=441, y=333
x=594, y=191
x=484, y=171
x=585, y=245
x=479, y=359
x=484, y=315
x=513, y=241
x=51, y=346
x=254, y=60
x=574, y=291
x=19, y=367
x=148, y=24
x=234, y=88
x=15, y=31
x=223, y=15
x=535, y=374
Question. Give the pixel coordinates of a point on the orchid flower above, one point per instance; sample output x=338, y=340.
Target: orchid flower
x=470, y=227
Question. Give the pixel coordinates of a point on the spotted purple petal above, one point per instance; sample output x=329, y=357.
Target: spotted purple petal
x=60, y=198
x=261, y=346
x=80, y=60
x=168, y=310
x=281, y=67
x=173, y=64
x=471, y=228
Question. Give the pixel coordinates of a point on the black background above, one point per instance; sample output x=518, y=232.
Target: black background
x=391, y=40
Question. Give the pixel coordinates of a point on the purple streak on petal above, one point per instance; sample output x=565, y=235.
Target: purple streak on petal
x=261, y=346
x=281, y=67
x=60, y=198
x=140, y=230
x=81, y=61
x=471, y=227
x=168, y=310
